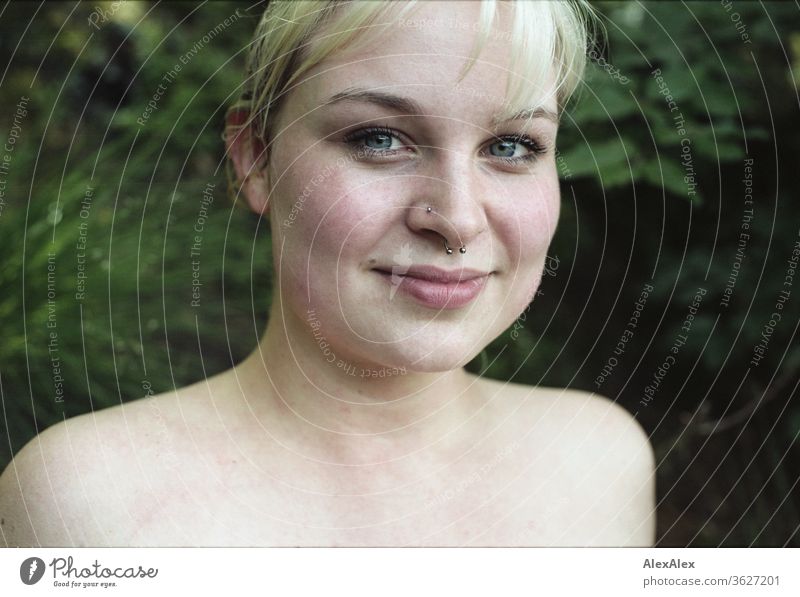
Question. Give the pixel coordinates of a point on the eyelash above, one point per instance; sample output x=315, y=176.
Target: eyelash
x=534, y=148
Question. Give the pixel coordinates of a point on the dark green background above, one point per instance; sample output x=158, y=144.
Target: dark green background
x=725, y=432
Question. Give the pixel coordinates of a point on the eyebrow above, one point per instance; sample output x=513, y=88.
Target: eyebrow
x=405, y=105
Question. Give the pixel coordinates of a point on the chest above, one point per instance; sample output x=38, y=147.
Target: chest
x=485, y=504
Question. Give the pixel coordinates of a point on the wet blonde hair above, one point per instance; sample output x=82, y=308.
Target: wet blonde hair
x=293, y=36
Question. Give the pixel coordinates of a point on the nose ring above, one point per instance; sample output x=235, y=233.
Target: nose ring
x=462, y=250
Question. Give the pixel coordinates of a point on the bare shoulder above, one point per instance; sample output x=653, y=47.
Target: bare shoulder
x=38, y=489
x=607, y=460
x=616, y=463
x=77, y=482
x=582, y=411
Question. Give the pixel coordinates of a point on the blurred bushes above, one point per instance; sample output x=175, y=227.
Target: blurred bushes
x=635, y=212
x=86, y=173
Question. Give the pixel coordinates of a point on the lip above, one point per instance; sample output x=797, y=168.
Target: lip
x=432, y=273
x=435, y=287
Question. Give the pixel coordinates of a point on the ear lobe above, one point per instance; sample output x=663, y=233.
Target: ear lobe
x=248, y=155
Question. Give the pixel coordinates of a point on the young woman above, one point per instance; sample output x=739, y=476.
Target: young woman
x=403, y=154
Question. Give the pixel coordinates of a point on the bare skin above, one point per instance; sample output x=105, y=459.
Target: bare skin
x=289, y=448
x=197, y=468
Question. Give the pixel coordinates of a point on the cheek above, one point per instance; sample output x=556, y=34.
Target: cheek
x=525, y=228
x=328, y=212
x=342, y=213
x=527, y=222
x=308, y=194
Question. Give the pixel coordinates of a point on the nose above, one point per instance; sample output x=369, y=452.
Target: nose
x=448, y=204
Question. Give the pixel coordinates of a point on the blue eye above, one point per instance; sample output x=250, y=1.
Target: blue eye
x=376, y=141
x=506, y=148
x=382, y=141
x=515, y=149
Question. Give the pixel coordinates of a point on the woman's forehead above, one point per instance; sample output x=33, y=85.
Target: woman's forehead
x=422, y=58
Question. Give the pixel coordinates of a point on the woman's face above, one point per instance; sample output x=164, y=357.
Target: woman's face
x=363, y=146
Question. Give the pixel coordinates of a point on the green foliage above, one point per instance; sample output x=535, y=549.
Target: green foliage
x=133, y=196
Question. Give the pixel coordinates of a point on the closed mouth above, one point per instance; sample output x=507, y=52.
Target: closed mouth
x=436, y=288
x=434, y=274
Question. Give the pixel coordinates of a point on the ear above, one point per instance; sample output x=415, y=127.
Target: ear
x=248, y=155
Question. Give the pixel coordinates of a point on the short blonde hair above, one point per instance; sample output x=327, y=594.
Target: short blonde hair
x=295, y=35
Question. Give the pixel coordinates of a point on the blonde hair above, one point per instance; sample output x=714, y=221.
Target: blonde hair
x=295, y=35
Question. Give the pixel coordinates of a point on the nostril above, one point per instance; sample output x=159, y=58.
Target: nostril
x=431, y=234
x=437, y=238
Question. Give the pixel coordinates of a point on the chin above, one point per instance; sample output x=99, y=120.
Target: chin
x=424, y=357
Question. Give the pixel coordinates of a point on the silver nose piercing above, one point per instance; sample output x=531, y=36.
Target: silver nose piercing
x=462, y=250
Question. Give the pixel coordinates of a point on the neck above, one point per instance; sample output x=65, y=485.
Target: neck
x=320, y=399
